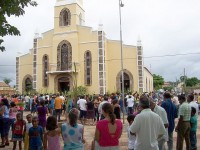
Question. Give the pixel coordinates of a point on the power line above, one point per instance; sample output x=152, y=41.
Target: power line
x=171, y=55
x=118, y=59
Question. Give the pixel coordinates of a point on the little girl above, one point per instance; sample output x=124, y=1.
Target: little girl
x=12, y=113
x=17, y=132
x=72, y=132
x=26, y=130
x=52, y=136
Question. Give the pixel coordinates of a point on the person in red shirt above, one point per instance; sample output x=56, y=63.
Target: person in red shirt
x=17, y=132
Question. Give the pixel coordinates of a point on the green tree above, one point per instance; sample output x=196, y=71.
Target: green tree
x=192, y=81
x=7, y=80
x=158, y=81
x=7, y=9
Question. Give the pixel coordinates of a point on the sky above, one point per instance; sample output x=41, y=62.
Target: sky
x=169, y=31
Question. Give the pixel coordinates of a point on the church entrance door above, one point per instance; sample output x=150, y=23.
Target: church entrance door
x=63, y=84
x=126, y=82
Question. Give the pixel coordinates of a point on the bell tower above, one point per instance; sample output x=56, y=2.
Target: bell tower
x=68, y=14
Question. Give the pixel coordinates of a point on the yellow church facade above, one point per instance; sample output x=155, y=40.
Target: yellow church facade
x=72, y=53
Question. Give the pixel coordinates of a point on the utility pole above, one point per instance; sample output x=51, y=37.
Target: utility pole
x=184, y=82
x=121, y=48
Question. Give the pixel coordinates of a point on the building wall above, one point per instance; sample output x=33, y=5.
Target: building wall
x=25, y=68
x=148, y=81
x=44, y=48
x=113, y=64
x=88, y=41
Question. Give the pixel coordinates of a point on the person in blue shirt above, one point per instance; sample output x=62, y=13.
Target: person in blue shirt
x=35, y=135
x=193, y=130
x=171, y=111
x=52, y=112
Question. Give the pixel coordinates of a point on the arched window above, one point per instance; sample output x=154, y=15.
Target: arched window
x=65, y=17
x=64, y=56
x=88, y=68
x=45, y=69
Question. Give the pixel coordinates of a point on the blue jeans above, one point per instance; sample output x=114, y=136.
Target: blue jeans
x=4, y=126
x=170, y=142
x=193, y=140
x=130, y=110
x=35, y=148
x=12, y=121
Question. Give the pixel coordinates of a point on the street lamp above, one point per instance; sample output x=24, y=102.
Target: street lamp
x=122, y=65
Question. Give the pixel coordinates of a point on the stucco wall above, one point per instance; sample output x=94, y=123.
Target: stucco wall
x=113, y=66
x=25, y=68
x=148, y=81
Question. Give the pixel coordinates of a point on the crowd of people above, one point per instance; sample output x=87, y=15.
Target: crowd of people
x=150, y=116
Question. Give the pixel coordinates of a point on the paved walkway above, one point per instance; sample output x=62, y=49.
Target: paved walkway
x=89, y=135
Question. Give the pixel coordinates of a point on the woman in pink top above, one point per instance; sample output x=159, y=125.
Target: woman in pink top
x=109, y=130
x=52, y=136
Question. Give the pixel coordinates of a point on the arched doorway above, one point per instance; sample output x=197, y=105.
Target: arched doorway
x=128, y=81
x=27, y=83
x=63, y=84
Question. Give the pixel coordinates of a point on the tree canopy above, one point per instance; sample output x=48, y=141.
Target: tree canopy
x=192, y=81
x=7, y=9
x=7, y=80
x=158, y=81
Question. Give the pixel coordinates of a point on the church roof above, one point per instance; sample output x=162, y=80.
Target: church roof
x=148, y=70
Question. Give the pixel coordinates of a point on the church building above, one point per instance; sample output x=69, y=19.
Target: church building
x=74, y=54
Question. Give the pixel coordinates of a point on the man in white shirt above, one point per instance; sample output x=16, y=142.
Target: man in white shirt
x=105, y=100
x=163, y=115
x=147, y=126
x=83, y=110
x=192, y=102
x=130, y=103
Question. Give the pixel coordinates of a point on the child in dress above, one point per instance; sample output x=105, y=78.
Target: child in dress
x=193, y=130
x=26, y=130
x=17, y=131
x=52, y=136
x=131, y=138
x=72, y=132
x=12, y=113
x=35, y=135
